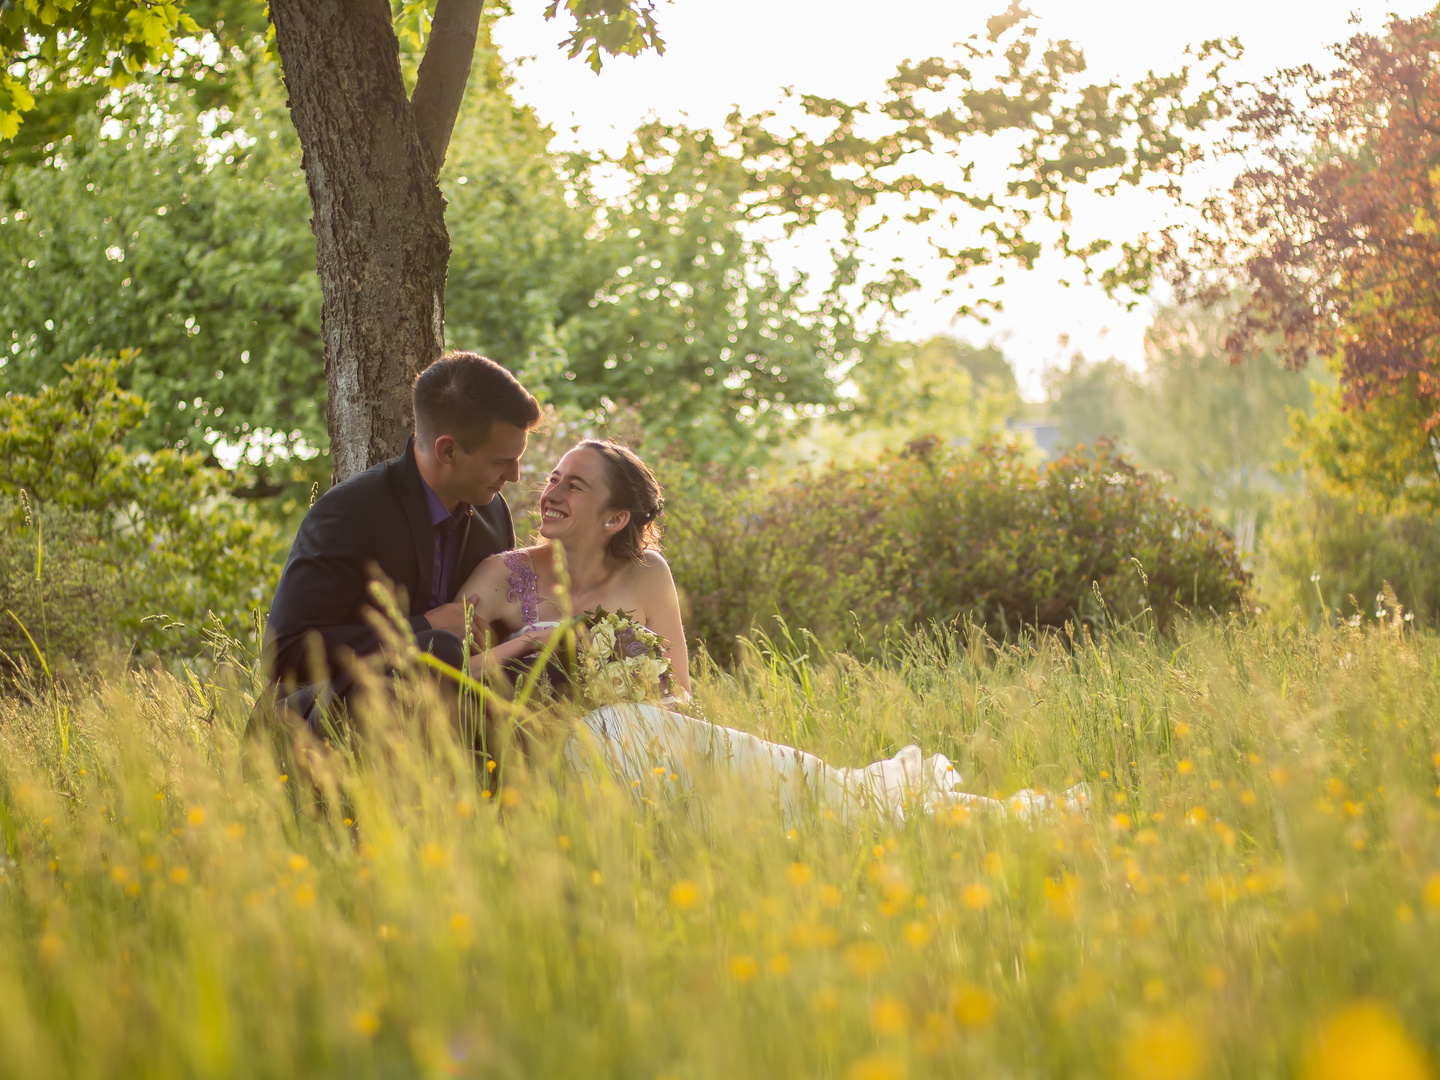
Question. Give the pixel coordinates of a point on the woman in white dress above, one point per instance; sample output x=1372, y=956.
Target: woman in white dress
x=601, y=504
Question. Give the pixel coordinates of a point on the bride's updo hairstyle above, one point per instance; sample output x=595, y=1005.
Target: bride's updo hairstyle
x=633, y=487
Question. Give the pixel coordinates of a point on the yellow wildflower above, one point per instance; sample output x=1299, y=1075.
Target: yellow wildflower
x=974, y=1007
x=684, y=894
x=364, y=1023
x=1364, y=1041
x=1432, y=891
x=865, y=958
x=889, y=1017
x=1162, y=1048
x=976, y=896
x=875, y=1067
x=916, y=934
x=743, y=968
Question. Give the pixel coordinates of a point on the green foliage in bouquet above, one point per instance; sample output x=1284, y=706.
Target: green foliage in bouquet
x=137, y=550
x=935, y=535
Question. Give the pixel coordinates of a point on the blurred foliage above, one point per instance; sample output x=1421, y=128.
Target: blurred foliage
x=211, y=67
x=183, y=234
x=59, y=54
x=62, y=597
x=905, y=391
x=626, y=282
x=172, y=554
x=1378, y=453
x=1330, y=555
x=940, y=536
x=62, y=41
x=1330, y=228
x=1091, y=400
x=1330, y=225
x=1217, y=426
x=650, y=297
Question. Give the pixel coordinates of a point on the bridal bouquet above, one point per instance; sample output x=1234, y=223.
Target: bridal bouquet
x=620, y=659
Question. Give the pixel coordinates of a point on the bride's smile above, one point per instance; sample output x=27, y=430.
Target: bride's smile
x=576, y=506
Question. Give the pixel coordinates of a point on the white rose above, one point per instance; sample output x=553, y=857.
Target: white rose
x=648, y=672
x=602, y=640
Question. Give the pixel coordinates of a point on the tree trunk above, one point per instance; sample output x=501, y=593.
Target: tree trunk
x=379, y=222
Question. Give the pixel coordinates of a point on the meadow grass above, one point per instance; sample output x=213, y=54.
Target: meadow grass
x=1254, y=891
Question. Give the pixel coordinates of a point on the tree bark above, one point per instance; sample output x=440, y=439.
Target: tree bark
x=379, y=219
x=440, y=82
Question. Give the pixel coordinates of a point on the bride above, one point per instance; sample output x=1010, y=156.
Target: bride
x=601, y=504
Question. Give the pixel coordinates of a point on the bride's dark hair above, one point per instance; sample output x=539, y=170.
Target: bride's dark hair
x=633, y=487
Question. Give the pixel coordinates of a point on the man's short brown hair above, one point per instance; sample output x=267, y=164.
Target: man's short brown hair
x=463, y=393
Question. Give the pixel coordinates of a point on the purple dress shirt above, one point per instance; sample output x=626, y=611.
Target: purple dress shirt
x=447, y=544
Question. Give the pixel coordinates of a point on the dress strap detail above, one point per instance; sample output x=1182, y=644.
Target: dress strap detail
x=524, y=585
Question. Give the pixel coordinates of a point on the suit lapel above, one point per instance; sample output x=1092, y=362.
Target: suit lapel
x=471, y=549
x=417, y=516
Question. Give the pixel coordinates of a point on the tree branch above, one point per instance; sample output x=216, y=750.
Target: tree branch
x=444, y=71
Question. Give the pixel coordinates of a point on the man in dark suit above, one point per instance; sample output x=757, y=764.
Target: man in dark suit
x=424, y=520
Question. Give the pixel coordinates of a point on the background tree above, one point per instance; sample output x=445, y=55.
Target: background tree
x=1091, y=400
x=180, y=232
x=1217, y=426
x=652, y=298
x=1332, y=233
x=373, y=154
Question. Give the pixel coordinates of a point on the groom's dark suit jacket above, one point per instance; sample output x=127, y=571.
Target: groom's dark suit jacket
x=375, y=523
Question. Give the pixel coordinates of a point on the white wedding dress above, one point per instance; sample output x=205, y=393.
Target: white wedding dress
x=645, y=746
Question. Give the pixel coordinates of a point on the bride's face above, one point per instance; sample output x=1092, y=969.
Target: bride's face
x=575, y=504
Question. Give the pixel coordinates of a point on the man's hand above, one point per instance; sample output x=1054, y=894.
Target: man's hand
x=451, y=617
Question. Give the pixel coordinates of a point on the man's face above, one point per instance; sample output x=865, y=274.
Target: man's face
x=477, y=477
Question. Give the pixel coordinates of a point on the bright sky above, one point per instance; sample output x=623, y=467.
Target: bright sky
x=745, y=51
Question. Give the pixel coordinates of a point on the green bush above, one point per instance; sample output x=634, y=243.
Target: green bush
x=938, y=536
x=1325, y=548
x=58, y=592
x=140, y=550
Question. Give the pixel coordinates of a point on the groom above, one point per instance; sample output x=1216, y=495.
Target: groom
x=424, y=520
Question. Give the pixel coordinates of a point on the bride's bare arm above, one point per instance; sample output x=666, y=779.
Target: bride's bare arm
x=488, y=588
x=662, y=615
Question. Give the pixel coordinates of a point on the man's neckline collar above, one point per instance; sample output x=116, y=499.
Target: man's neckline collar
x=438, y=513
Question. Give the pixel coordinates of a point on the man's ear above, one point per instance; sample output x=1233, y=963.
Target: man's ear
x=444, y=449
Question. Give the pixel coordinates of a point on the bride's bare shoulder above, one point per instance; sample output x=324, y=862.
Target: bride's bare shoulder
x=491, y=570
x=650, y=576
x=495, y=569
x=652, y=564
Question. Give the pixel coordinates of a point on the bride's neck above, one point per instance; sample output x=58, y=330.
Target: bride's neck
x=587, y=567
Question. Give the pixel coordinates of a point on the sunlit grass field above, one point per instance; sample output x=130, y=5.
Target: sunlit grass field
x=1254, y=891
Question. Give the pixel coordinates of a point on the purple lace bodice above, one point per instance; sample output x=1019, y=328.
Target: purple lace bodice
x=524, y=585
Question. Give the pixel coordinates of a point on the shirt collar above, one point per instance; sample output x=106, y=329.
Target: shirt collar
x=438, y=513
